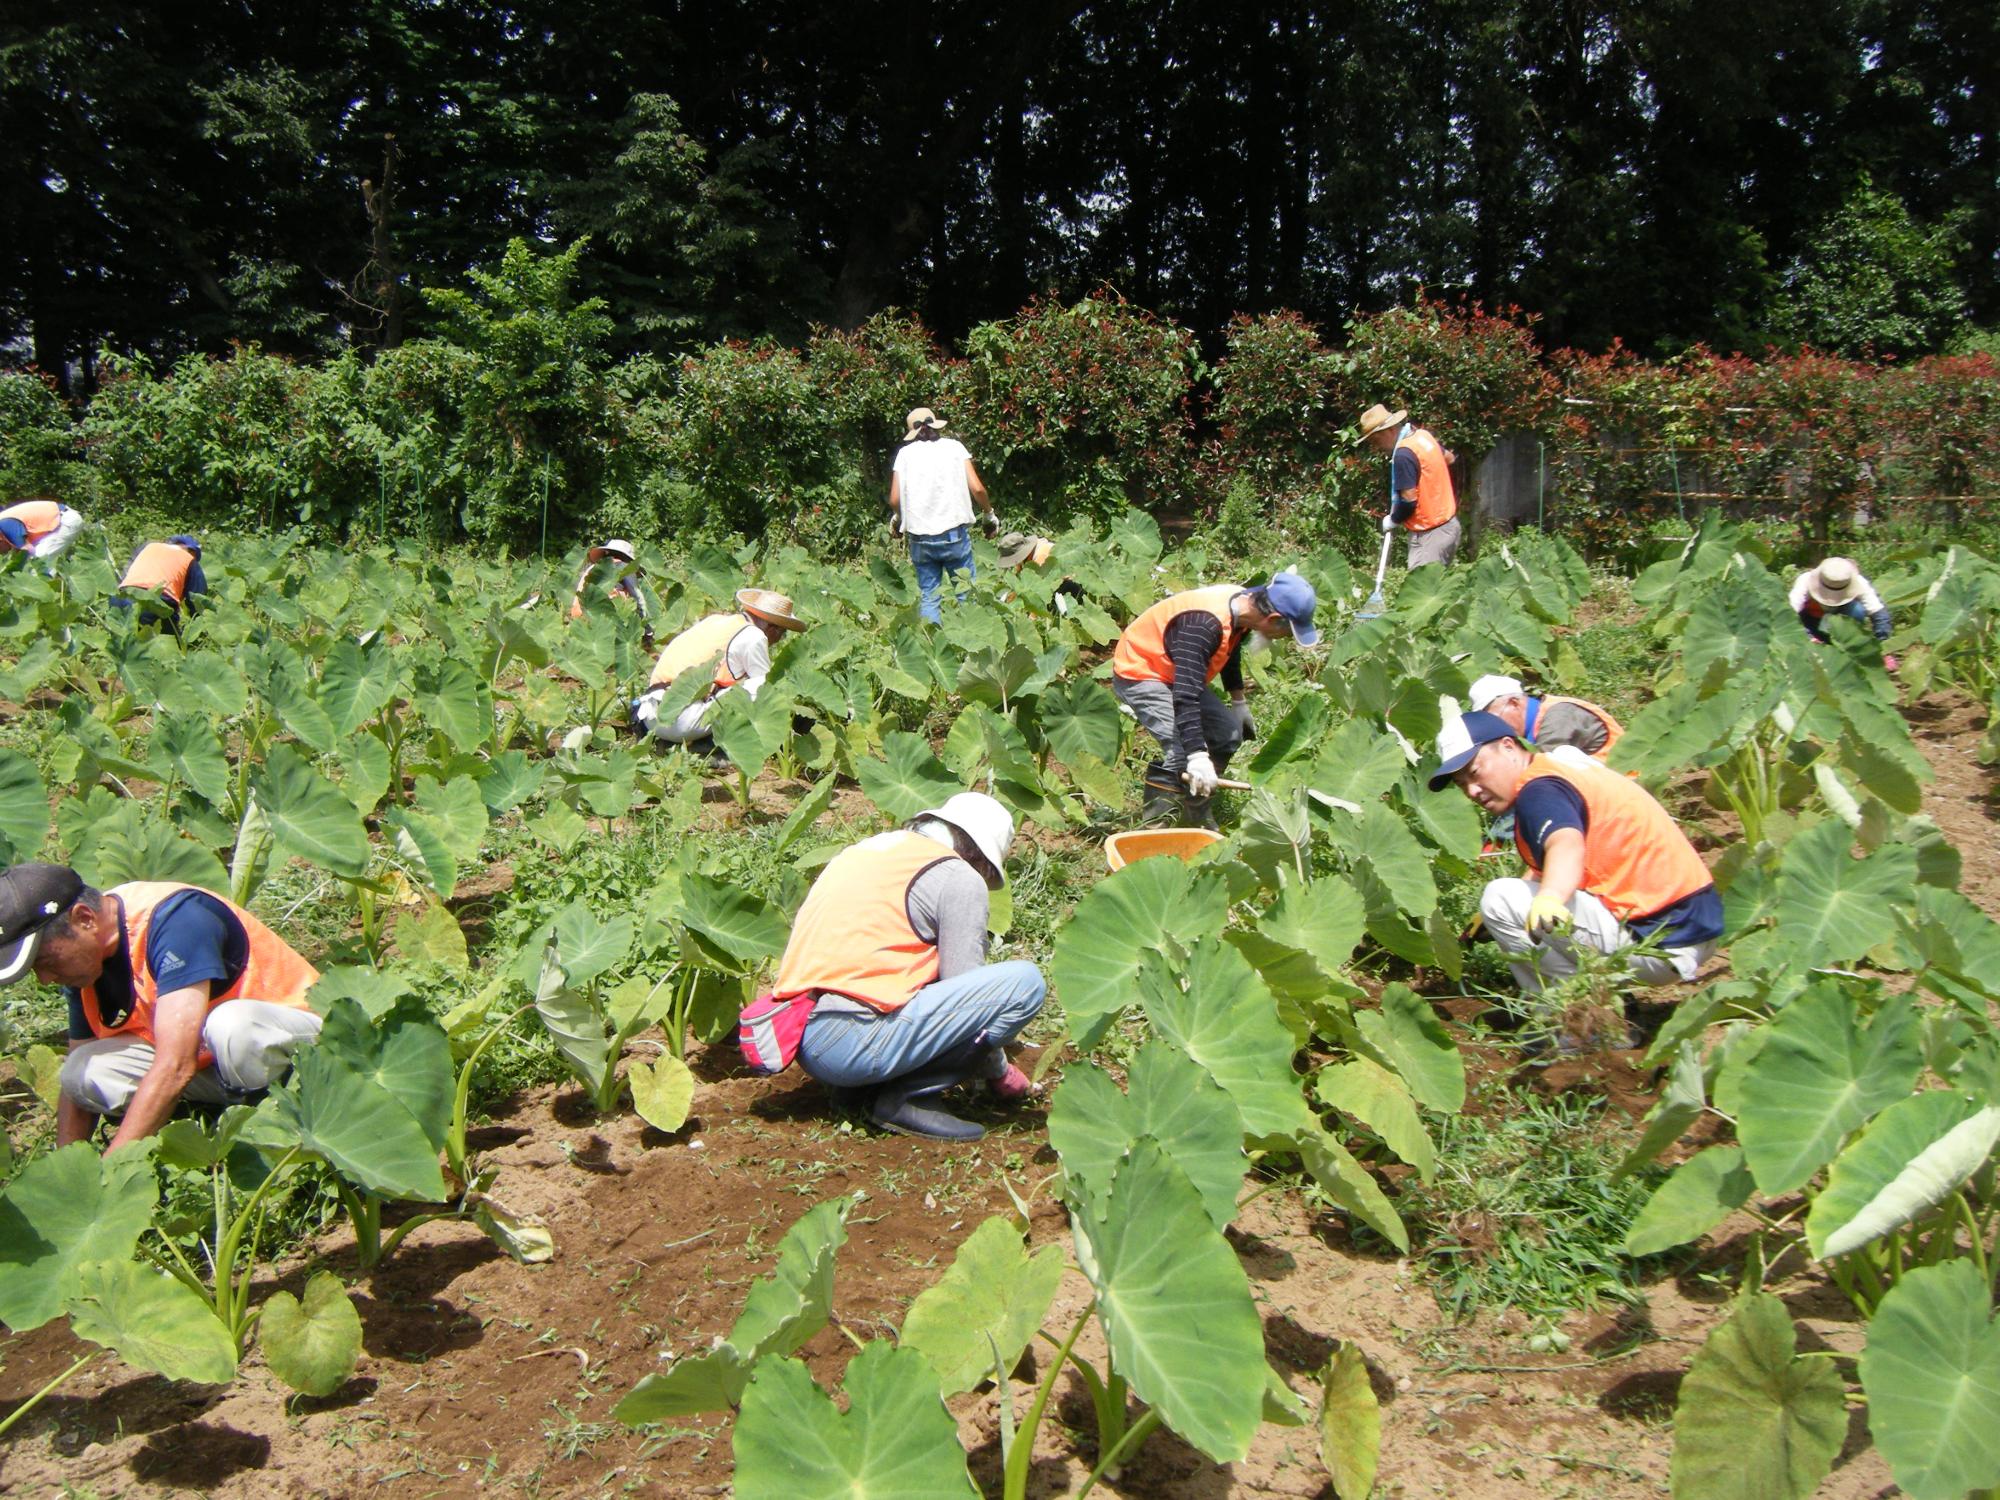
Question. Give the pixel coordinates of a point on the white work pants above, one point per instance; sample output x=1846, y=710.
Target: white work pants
x=59, y=541
x=691, y=723
x=1549, y=956
x=252, y=1040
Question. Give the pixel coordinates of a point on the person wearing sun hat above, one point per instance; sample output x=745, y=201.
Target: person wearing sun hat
x=733, y=647
x=42, y=529
x=626, y=578
x=1837, y=587
x=1161, y=669
x=1546, y=720
x=1608, y=868
x=1421, y=498
x=933, y=487
x=890, y=943
x=173, y=993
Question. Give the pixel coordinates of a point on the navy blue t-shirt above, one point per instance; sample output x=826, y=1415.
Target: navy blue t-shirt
x=1404, y=471
x=194, y=936
x=1549, y=803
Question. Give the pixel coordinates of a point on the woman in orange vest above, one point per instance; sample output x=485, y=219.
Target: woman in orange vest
x=737, y=646
x=1421, y=498
x=891, y=945
x=174, y=993
x=172, y=569
x=1608, y=868
x=44, y=529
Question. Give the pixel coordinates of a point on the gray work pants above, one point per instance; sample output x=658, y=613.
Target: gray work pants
x=1438, y=545
x=1549, y=957
x=1152, y=704
x=252, y=1040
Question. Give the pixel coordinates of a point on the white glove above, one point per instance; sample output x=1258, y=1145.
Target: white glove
x=1200, y=774
x=1245, y=725
x=991, y=521
x=1388, y=523
x=895, y=523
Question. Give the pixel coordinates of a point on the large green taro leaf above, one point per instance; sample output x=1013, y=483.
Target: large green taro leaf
x=133, y=846
x=360, y=1129
x=308, y=815
x=1698, y=1195
x=743, y=928
x=311, y=1343
x=152, y=1322
x=982, y=1312
x=455, y=702
x=1123, y=918
x=1755, y=1422
x=1932, y=1374
x=405, y=1051
x=1219, y=1012
x=1358, y=763
x=1175, y=1304
x=1832, y=908
x=1910, y=1158
x=186, y=748
x=587, y=947
x=1350, y=1424
x=24, y=808
x=355, y=682
x=67, y=1207
x=512, y=780
x=1680, y=1105
x=1820, y=1074
x=909, y=779
x=1380, y=1100
x=751, y=730
x=1286, y=749
x=895, y=1441
x=1405, y=1034
x=574, y=1022
x=1380, y=843
x=1169, y=1097
x=1344, y=1180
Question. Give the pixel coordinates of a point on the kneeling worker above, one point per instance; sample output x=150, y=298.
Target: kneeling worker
x=1547, y=721
x=737, y=646
x=1161, y=670
x=891, y=941
x=174, y=993
x=1606, y=861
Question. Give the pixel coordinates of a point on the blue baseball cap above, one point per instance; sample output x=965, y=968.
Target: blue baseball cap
x=1459, y=740
x=184, y=540
x=1292, y=597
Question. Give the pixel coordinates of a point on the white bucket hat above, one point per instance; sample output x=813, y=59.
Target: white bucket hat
x=1490, y=687
x=617, y=547
x=983, y=820
x=1834, y=582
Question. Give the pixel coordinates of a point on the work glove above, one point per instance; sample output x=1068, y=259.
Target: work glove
x=1388, y=523
x=895, y=523
x=1200, y=774
x=1545, y=913
x=1889, y=661
x=991, y=521
x=1245, y=725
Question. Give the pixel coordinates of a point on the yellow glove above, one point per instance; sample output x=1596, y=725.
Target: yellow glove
x=1547, y=912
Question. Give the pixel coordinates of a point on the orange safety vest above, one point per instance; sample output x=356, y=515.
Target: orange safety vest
x=707, y=639
x=1613, y=730
x=853, y=934
x=37, y=517
x=162, y=566
x=1436, y=503
x=1635, y=859
x=273, y=973
x=1141, y=654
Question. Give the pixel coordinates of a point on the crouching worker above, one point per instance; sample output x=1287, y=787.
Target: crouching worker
x=173, y=993
x=1608, y=868
x=734, y=648
x=891, y=942
x=623, y=576
x=169, y=569
x=1837, y=587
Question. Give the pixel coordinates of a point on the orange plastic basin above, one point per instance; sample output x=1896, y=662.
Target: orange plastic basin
x=1145, y=843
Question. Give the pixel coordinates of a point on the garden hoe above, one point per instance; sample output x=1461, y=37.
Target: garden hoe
x=1373, y=606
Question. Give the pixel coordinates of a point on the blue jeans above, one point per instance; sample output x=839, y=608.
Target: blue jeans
x=934, y=556
x=982, y=1007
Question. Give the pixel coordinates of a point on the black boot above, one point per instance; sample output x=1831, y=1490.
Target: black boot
x=894, y=1107
x=1195, y=812
x=1164, y=794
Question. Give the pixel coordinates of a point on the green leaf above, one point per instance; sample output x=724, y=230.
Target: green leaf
x=895, y=1441
x=1221, y=1014
x=1818, y=1076
x=1698, y=1195
x=187, y=747
x=311, y=1345
x=1119, y=921
x=212, y=683
x=575, y=1024
x=1170, y=1098
x=355, y=683
x=308, y=816
x=454, y=701
x=1357, y=763
x=1832, y=908
x=991, y=1298
x=587, y=947
x=67, y=1207
x=24, y=808
x=1081, y=721
x=1679, y=1106
x=1386, y=848
x=360, y=1129
x=433, y=936
x=1175, y=1304
x=1348, y=1184
x=1931, y=1371
x=1911, y=1157
x=512, y=780
x=560, y=827
x=1350, y=1424
x=457, y=811
x=405, y=1052
x=1755, y=1422
x=142, y=848
x=365, y=770
x=909, y=780
x=151, y=1321
x=662, y=1091
x=811, y=807
x=1285, y=750
x=1380, y=1100
x=374, y=990
x=1407, y=1035
x=743, y=927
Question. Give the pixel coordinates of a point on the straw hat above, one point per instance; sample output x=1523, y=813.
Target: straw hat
x=763, y=604
x=920, y=418
x=616, y=547
x=1375, y=419
x=1834, y=582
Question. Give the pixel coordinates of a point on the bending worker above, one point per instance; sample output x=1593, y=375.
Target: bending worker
x=625, y=577
x=172, y=569
x=1547, y=721
x=1837, y=587
x=173, y=993
x=44, y=529
x=1421, y=498
x=1161, y=669
x=735, y=649
x=891, y=942
x=1607, y=866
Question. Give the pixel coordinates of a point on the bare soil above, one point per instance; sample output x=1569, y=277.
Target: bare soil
x=483, y=1377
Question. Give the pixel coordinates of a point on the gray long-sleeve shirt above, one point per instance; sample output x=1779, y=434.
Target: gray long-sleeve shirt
x=948, y=905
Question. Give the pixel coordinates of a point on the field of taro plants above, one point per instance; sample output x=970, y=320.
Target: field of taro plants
x=1292, y=1217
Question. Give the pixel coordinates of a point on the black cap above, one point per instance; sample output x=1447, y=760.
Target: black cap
x=31, y=897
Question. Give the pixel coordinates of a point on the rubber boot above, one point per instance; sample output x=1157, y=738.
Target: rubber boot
x=895, y=1108
x=1196, y=812
x=1164, y=794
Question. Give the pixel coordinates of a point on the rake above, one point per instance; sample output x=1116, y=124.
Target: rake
x=1373, y=607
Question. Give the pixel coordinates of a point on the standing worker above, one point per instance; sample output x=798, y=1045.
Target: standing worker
x=172, y=569
x=891, y=945
x=1608, y=867
x=173, y=993
x=44, y=529
x=626, y=577
x=1161, y=669
x=1837, y=587
x=932, y=490
x=736, y=646
x=1421, y=498
x=1547, y=721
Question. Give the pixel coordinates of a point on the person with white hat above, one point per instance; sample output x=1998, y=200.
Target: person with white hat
x=1546, y=720
x=1837, y=587
x=1608, y=868
x=1421, y=498
x=932, y=489
x=890, y=944
x=733, y=647
x=625, y=577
